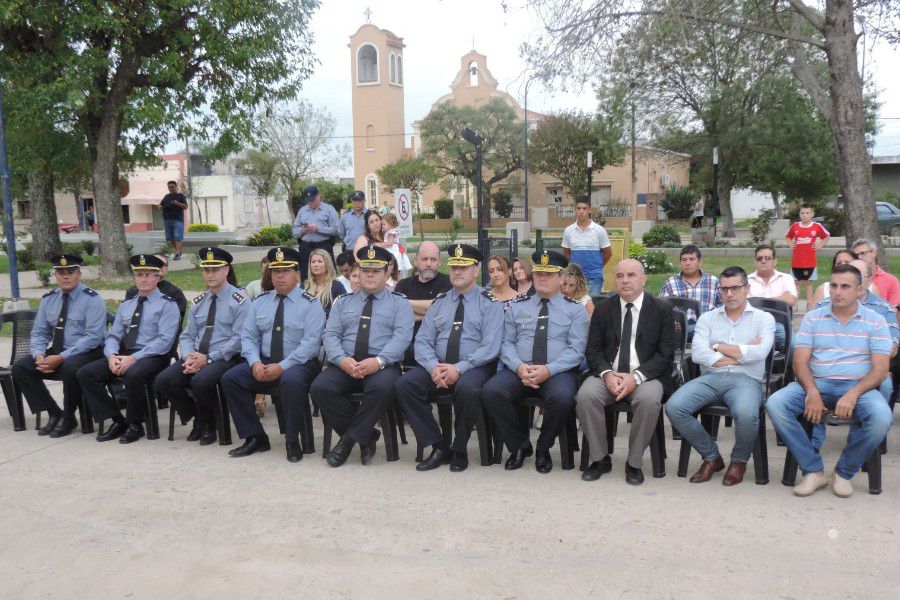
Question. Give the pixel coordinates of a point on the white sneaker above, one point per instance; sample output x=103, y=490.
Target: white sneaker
x=810, y=483
x=840, y=486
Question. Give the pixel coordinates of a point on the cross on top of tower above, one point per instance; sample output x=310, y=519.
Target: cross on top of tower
x=368, y=14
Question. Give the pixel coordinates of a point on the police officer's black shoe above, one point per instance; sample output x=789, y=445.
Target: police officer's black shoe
x=341, y=452
x=66, y=425
x=459, y=462
x=134, y=432
x=633, y=476
x=367, y=453
x=255, y=443
x=517, y=458
x=596, y=469
x=209, y=435
x=196, y=432
x=542, y=461
x=50, y=425
x=437, y=458
x=116, y=428
x=294, y=453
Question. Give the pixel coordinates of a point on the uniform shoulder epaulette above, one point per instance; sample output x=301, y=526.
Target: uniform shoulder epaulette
x=50, y=293
x=339, y=296
x=239, y=297
x=309, y=296
x=398, y=294
x=571, y=300
x=521, y=298
x=169, y=298
x=489, y=295
x=441, y=295
x=90, y=292
x=199, y=298
x=262, y=295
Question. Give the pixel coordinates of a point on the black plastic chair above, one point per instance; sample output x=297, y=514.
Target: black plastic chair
x=22, y=323
x=568, y=436
x=389, y=427
x=657, y=442
x=152, y=405
x=223, y=419
x=770, y=303
x=684, y=304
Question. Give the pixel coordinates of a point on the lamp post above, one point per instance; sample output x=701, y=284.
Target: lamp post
x=590, y=173
x=8, y=207
x=476, y=140
x=525, y=154
x=715, y=187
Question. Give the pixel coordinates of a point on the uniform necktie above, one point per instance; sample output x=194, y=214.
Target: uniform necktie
x=362, y=334
x=210, y=325
x=276, y=348
x=56, y=344
x=131, y=335
x=625, y=342
x=539, y=350
x=455, y=333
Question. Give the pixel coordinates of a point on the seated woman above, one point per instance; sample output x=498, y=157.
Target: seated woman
x=393, y=275
x=521, y=269
x=841, y=257
x=321, y=280
x=499, y=272
x=575, y=287
x=373, y=232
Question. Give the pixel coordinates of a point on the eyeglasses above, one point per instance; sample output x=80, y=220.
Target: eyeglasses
x=734, y=289
x=862, y=253
x=764, y=258
x=146, y=275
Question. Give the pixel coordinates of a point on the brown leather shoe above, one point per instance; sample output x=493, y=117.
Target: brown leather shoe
x=707, y=469
x=735, y=473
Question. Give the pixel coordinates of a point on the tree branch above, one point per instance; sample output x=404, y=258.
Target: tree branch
x=808, y=13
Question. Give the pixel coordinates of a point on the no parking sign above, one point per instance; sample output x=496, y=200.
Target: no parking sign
x=403, y=202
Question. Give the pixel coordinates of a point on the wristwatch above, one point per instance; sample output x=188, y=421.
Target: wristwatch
x=715, y=347
x=208, y=360
x=381, y=364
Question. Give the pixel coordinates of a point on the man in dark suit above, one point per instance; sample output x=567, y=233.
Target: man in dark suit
x=630, y=346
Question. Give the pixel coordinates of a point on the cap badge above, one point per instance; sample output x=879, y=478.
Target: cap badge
x=63, y=262
x=143, y=261
x=279, y=255
x=371, y=253
x=459, y=251
x=209, y=256
x=545, y=259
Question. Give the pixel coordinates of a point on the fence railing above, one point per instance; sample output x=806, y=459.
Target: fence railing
x=517, y=214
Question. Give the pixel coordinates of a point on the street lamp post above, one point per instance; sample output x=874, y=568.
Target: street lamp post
x=715, y=187
x=476, y=140
x=590, y=173
x=525, y=154
x=8, y=207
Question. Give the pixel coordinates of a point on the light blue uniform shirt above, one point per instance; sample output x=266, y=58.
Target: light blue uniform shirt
x=325, y=219
x=566, y=335
x=881, y=307
x=482, y=330
x=157, y=331
x=85, y=325
x=304, y=319
x=351, y=226
x=391, y=326
x=715, y=327
x=231, y=309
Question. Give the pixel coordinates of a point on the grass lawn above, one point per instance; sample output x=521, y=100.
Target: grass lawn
x=6, y=331
x=4, y=263
x=187, y=280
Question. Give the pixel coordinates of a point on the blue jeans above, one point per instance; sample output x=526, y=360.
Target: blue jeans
x=740, y=393
x=818, y=437
x=871, y=422
x=595, y=286
x=174, y=229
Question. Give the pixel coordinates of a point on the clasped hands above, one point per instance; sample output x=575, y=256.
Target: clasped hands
x=48, y=364
x=358, y=369
x=444, y=375
x=533, y=375
x=619, y=384
x=814, y=408
x=193, y=362
x=263, y=372
x=118, y=364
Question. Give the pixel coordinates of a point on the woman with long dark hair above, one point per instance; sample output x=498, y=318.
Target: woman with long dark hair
x=841, y=257
x=372, y=234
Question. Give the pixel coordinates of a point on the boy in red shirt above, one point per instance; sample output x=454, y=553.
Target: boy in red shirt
x=805, y=238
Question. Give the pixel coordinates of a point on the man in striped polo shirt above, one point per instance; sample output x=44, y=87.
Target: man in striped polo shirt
x=841, y=356
x=587, y=244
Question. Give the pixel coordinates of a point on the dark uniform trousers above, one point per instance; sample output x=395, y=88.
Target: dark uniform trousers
x=31, y=382
x=331, y=393
x=306, y=249
x=173, y=383
x=557, y=398
x=292, y=388
x=96, y=375
x=415, y=389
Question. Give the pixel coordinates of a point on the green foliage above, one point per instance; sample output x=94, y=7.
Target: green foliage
x=203, y=227
x=834, y=219
x=443, y=208
x=423, y=215
x=678, y=202
x=636, y=249
x=654, y=262
x=662, y=236
x=503, y=204
x=414, y=174
x=762, y=225
x=453, y=231
x=271, y=236
x=44, y=272
x=87, y=247
x=286, y=233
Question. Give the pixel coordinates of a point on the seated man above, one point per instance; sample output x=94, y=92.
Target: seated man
x=138, y=346
x=731, y=344
x=631, y=345
x=766, y=282
x=456, y=350
x=840, y=357
x=165, y=286
x=543, y=343
x=365, y=338
x=209, y=345
x=68, y=333
x=886, y=284
x=693, y=283
x=423, y=287
x=280, y=342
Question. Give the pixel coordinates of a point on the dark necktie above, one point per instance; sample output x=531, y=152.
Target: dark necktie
x=210, y=325
x=362, y=334
x=625, y=342
x=276, y=347
x=131, y=335
x=56, y=342
x=455, y=334
x=539, y=350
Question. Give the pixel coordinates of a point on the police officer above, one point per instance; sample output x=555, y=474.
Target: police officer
x=366, y=336
x=280, y=341
x=316, y=226
x=353, y=222
x=456, y=349
x=544, y=337
x=139, y=345
x=209, y=345
x=68, y=333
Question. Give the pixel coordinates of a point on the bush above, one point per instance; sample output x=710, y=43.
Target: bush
x=268, y=236
x=503, y=204
x=662, y=236
x=678, y=202
x=87, y=247
x=425, y=215
x=636, y=249
x=761, y=226
x=286, y=233
x=653, y=261
x=44, y=271
x=453, y=231
x=443, y=208
x=201, y=227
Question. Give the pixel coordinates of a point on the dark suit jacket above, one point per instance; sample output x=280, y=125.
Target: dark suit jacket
x=655, y=342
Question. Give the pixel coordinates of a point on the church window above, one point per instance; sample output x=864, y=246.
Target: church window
x=372, y=191
x=473, y=74
x=393, y=68
x=399, y=69
x=367, y=64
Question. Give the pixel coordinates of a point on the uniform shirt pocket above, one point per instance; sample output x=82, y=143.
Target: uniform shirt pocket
x=559, y=327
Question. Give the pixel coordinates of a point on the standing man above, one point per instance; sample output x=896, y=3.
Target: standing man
x=693, y=283
x=841, y=356
x=209, y=346
x=805, y=238
x=138, y=347
x=173, y=206
x=543, y=344
x=280, y=342
x=587, y=244
x=887, y=285
x=424, y=286
x=165, y=286
x=456, y=350
x=352, y=223
x=316, y=226
x=629, y=351
x=365, y=338
x=68, y=333
x=730, y=345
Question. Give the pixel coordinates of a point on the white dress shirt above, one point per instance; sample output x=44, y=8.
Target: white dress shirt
x=634, y=362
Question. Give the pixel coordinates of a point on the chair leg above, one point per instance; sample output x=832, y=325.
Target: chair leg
x=715, y=427
x=728, y=421
x=13, y=402
x=566, y=449
x=482, y=430
x=657, y=450
x=307, y=436
x=445, y=418
x=612, y=420
x=761, y=453
x=684, y=458
x=172, y=412
x=874, y=471
x=85, y=416
x=223, y=419
x=389, y=431
x=398, y=419
x=326, y=441
x=152, y=413
x=585, y=454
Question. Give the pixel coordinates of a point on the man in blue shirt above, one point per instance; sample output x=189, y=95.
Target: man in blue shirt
x=316, y=226
x=353, y=222
x=587, y=244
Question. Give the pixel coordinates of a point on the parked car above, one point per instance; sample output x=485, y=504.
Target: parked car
x=888, y=219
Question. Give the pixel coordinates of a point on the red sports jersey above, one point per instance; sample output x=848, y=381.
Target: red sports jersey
x=804, y=256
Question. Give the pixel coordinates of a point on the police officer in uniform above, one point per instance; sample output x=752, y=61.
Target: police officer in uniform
x=366, y=336
x=280, y=342
x=316, y=226
x=456, y=349
x=68, y=333
x=138, y=347
x=209, y=345
x=352, y=223
x=544, y=337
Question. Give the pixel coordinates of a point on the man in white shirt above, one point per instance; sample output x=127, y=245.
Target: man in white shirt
x=587, y=244
x=766, y=282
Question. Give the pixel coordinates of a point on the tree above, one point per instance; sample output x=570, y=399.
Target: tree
x=503, y=204
x=138, y=71
x=261, y=170
x=678, y=202
x=413, y=174
x=560, y=143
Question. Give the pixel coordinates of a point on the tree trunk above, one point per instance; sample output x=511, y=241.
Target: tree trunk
x=268, y=214
x=725, y=184
x=44, y=229
x=776, y=205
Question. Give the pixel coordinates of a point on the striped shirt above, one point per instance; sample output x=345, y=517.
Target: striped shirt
x=586, y=247
x=706, y=292
x=843, y=350
x=881, y=307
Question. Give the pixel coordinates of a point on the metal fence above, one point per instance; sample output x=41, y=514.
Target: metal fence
x=517, y=214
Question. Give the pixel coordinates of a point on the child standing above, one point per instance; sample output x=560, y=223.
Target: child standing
x=805, y=238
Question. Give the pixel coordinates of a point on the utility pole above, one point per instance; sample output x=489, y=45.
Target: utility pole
x=8, y=228
x=590, y=172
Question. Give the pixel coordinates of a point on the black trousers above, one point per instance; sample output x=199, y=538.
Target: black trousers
x=306, y=248
x=557, y=398
x=172, y=384
x=415, y=389
x=31, y=381
x=239, y=387
x=96, y=375
x=331, y=392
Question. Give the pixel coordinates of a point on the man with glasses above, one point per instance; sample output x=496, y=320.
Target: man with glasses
x=165, y=286
x=887, y=285
x=730, y=345
x=766, y=282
